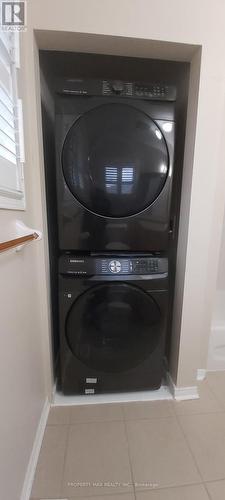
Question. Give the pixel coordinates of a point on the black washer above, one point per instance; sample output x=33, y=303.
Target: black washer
x=112, y=323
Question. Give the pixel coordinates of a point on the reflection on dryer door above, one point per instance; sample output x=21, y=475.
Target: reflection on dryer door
x=115, y=160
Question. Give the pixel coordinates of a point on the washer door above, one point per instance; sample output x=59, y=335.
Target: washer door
x=115, y=160
x=113, y=327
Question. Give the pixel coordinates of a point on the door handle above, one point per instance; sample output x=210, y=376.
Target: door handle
x=172, y=226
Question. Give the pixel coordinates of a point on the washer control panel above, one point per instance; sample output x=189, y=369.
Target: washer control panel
x=112, y=265
x=115, y=266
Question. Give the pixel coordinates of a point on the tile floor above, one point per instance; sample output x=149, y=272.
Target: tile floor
x=161, y=450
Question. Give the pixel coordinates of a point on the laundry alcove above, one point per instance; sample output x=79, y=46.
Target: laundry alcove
x=185, y=68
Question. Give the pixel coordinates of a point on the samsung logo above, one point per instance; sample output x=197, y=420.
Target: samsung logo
x=74, y=261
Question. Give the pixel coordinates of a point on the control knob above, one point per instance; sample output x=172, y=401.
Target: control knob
x=115, y=266
x=117, y=86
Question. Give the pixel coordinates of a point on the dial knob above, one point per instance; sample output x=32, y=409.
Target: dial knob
x=117, y=86
x=115, y=266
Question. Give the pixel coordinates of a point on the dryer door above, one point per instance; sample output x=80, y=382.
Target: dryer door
x=113, y=327
x=115, y=160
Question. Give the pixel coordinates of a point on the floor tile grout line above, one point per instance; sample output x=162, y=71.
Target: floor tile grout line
x=64, y=459
x=171, y=404
x=65, y=452
x=222, y=403
x=38, y=463
x=91, y=497
x=177, y=486
x=209, y=482
x=189, y=447
x=70, y=414
x=209, y=495
x=192, y=454
x=210, y=389
x=193, y=414
x=124, y=419
x=108, y=495
x=129, y=454
x=64, y=462
x=215, y=480
x=123, y=412
x=139, y=419
x=88, y=422
x=126, y=422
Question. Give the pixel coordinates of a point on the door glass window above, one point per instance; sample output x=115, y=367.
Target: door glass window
x=113, y=327
x=115, y=160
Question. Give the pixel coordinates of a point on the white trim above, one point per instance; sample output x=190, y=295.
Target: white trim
x=126, y=397
x=21, y=132
x=29, y=477
x=17, y=49
x=201, y=374
x=182, y=393
x=12, y=199
x=11, y=193
x=54, y=391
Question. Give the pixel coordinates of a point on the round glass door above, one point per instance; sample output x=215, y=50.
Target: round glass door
x=115, y=160
x=113, y=327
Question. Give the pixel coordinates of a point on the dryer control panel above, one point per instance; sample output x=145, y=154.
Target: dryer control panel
x=120, y=88
x=112, y=265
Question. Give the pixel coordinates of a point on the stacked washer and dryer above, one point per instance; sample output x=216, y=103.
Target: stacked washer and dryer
x=114, y=162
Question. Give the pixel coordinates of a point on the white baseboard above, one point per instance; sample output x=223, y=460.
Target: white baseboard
x=29, y=477
x=167, y=391
x=182, y=393
x=201, y=374
x=54, y=392
x=122, y=397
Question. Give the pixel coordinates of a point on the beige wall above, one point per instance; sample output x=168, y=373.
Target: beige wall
x=24, y=341
x=221, y=269
x=22, y=385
